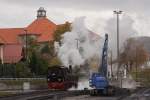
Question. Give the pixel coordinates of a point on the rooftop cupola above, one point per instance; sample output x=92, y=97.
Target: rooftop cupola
x=41, y=13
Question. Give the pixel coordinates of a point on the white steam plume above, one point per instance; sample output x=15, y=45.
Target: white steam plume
x=126, y=31
x=78, y=45
x=70, y=53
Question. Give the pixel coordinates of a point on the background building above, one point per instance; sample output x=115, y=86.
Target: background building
x=13, y=40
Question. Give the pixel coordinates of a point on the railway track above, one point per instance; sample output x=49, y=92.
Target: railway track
x=21, y=96
x=60, y=95
x=120, y=95
x=45, y=95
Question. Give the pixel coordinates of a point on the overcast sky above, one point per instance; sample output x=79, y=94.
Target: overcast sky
x=20, y=13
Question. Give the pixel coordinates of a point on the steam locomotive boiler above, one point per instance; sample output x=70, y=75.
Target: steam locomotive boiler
x=61, y=78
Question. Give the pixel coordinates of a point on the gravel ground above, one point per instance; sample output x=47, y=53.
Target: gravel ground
x=87, y=97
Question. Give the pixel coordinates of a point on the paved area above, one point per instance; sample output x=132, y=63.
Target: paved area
x=88, y=97
x=140, y=94
x=143, y=94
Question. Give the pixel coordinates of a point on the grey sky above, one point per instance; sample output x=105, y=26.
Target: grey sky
x=20, y=13
x=83, y=4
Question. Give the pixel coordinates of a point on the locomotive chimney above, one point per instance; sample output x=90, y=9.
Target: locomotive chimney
x=70, y=68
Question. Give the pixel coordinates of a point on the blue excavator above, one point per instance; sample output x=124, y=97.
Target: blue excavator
x=99, y=80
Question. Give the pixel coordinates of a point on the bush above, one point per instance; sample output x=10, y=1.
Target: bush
x=22, y=70
x=142, y=76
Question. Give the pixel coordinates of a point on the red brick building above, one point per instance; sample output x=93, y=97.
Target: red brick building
x=11, y=39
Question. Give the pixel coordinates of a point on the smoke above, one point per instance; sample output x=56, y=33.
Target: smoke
x=129, y=83
x=141, y=24
x=82, y=84
x=78, y=45
x=81, y=44
x=126, y=31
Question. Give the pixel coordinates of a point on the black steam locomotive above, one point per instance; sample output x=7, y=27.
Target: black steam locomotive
x=62, y=78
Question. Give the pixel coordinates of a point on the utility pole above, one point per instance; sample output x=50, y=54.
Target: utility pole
x=118, y=12
x=136, y=63
x=26, y=45
x=111, y=64
x=77, y=43
x=2, y=58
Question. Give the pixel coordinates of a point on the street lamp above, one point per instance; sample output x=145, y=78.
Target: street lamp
x=111, y=63
x=121, y=78
x=26, y=44
x=2, y=57
x=118, y=12
x=136, y=63
x=2, y=53
x=77, y=43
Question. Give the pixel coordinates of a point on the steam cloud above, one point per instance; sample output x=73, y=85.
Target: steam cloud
x=78, y=45
x=81, y=44
x=126, y=31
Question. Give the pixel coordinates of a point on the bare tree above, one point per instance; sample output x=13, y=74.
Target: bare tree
x=133, y=55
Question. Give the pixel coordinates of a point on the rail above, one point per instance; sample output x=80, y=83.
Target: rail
x=45, y=95
x=60, y=95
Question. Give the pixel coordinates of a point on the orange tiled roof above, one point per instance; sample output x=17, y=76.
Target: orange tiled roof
x=2, y=41
x=10, y=35
x=12, y=53
x=43, y=27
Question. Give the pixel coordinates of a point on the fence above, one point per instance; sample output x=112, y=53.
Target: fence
x=14, y=71
x=7, y=70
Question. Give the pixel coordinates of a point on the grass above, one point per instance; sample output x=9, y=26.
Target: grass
x=142, y=76
x=5, y=94
x=39, y=83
